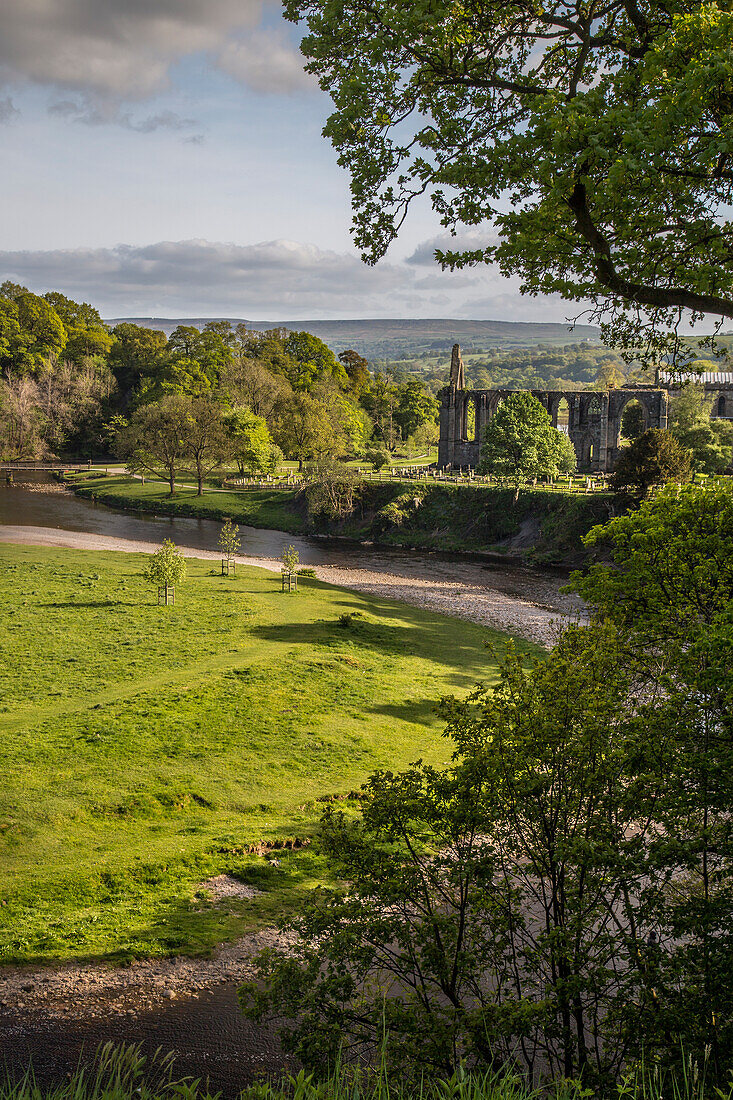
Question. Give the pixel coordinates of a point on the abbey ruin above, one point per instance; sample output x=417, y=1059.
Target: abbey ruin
x=593, y=417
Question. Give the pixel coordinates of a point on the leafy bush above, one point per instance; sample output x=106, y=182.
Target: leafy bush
x=348, y=619
x=378, y=457
x=330, y=492
x=398, y=511
x=166, y=567
x=290, y=559
x=651, y=461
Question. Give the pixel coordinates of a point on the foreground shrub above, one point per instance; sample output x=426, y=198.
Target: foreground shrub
x=560, y=899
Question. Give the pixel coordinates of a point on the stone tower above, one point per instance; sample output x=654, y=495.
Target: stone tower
x=457, y=372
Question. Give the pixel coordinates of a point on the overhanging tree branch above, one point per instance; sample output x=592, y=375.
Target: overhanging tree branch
x=608, y=276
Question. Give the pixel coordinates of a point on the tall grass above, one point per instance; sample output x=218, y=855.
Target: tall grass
x=125, y=1073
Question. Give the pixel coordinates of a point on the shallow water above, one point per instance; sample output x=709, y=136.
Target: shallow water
x=20, y=507
x=207, y=1033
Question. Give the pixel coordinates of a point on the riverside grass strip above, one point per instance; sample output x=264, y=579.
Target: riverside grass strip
x=124, y=1072
x=144, y=748
x=450, y=517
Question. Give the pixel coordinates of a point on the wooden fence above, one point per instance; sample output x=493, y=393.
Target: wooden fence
x=577, y=483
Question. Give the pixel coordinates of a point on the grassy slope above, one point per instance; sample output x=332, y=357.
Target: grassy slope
x=450, y=516
x=480, y=519
x=144, y=747
x=272, y=508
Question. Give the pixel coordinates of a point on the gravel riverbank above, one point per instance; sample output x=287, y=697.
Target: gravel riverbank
x=97, y=991
x=55, y=1018
x=527, y=604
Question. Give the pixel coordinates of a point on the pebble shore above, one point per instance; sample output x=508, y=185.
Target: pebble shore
x=461, y=589
x=95, y=991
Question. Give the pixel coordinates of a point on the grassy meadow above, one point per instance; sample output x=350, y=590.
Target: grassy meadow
x=271, y=508
x=144, y=747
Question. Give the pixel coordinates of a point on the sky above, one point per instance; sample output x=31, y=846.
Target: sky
x=165, y=158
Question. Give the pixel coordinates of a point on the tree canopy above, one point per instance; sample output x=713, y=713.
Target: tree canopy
x=86, y=332
x=585, y=146
x=648, y=463
x=31, y=332
x=155, y=439
x=520, y=442
x=250, y=443
x=710, y=441
x=166, y=567
x=558, y=899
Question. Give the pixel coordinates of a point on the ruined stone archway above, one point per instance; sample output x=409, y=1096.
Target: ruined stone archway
x=593, y=425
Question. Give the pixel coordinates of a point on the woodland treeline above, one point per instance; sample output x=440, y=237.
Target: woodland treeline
x=71, y=385
x=576, y=366
x=542, y=366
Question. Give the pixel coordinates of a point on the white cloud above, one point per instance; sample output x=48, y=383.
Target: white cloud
x=116, y=50
x=106, y=112
x=507, y=303
x=272, y=277
x=8, y=110
x=265, y=61
x=492, y=295
x=464, y=241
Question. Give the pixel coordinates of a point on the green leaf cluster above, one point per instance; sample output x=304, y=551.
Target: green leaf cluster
x=166, y=567
x=709, y=440
x=520, y=442
x=651, y=461
x=586, y=151
x=561, y=893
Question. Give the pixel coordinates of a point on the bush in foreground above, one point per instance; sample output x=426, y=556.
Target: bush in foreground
x=560, y=899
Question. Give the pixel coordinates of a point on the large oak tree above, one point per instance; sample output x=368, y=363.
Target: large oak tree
x=590, y=141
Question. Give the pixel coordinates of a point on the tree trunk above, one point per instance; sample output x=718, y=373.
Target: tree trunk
x=172, y=481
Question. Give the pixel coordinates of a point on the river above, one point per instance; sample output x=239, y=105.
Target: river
x=505, y=596
x=54, y=1016
x=20, y=507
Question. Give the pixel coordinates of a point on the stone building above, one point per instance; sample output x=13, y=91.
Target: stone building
x=718, y=387
x=591, y=418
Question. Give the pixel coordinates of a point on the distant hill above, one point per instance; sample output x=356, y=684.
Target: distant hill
x=399, y=338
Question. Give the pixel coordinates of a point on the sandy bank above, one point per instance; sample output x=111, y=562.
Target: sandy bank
x=459, y=589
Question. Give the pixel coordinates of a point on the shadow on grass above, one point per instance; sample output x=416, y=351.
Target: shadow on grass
x=91, y=603
x=412, y=710
x=183, y=928
x=441, y=643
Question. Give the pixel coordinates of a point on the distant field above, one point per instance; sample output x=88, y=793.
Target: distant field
x=143, y=747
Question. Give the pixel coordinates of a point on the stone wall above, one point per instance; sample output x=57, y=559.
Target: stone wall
x=593, y=422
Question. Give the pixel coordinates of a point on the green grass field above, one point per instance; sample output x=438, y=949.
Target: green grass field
x=270, y=508
x=144, y=747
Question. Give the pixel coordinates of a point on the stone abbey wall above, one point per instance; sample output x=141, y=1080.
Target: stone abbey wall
x=594, y=416
x=594, y=421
